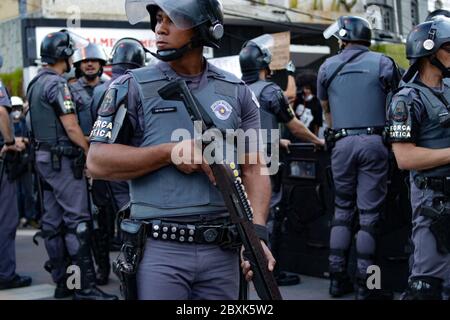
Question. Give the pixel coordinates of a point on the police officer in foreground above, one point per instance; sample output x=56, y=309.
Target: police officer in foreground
x=255, y=58
x=113, y=197
x=186, y=214
x=420, y=136
x=88, y=63
x=353, y=87
x=8, y=202
x=60, y=147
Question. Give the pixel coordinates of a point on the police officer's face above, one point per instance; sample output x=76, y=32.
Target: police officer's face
x=168, y=36
x=443, y=54
x=90, y=67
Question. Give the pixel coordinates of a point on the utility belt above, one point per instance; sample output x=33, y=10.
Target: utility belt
x=438, y=184
x=59, y=151
x=136, y=232
x=220, y=232
x=332, y=136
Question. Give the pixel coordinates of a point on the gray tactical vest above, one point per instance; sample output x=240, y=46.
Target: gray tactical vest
x=97, y=98
x=431, y=134
x=45, y=124
x=167, y=191
x=356, y=97
x=82, y=101
x=269, y=120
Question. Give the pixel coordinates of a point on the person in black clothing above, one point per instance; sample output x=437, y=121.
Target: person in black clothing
x=311, y=102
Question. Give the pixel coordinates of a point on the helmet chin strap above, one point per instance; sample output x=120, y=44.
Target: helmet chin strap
x=68, y=66
x=175, y=54
x=438, y=64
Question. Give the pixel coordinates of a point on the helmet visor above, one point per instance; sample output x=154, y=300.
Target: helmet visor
x=265, y=43
x=76, y=40
x=332, y=30
x=91, y=52
x=185, y=14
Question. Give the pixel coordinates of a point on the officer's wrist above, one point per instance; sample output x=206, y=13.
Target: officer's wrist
x=262, y=232
x=10, y=143
x=167, y=149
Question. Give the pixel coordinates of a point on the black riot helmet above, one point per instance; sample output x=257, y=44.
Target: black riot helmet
x=129, y=51
x=425, y=40
x=350, y=29
x=204, y=16
x=91, y=52
x=437, y=13
x=60, y=46
x=256, y=55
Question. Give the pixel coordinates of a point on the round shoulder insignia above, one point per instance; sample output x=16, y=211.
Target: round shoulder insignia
x=222, y=109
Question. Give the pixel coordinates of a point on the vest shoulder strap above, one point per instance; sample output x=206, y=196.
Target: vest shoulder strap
x=341, y=66
x=147, y=74
x=223, y=75
x=258, y=87
x=435, y=103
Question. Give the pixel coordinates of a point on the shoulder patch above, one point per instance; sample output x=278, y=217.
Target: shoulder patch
x=108, y=106
x=399, y=111
x=68, y=103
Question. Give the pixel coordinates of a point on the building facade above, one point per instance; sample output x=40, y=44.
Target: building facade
x=23, y=23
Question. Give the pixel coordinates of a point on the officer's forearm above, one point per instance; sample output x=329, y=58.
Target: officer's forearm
x=121, y=162
x=258, y=190
x=74, y=131
x=328, y=120
x=301, y=131
x=5, y=128
x=411, y=157
x=326, y=110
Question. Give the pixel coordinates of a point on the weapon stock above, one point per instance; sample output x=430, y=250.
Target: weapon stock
x=235, y=197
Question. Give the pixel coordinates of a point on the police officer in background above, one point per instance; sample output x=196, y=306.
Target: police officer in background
x=438, y=13
x=88, y=63
x=178, y=263
x=255, y=58
x=60, y=147
x=8, y=202
x=22, y=168
x=420, y=136
x=113, y=197
x=353, y=87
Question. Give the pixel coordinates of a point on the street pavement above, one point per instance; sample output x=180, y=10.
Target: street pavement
x=31, y=259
